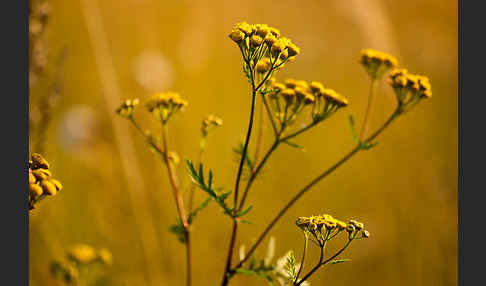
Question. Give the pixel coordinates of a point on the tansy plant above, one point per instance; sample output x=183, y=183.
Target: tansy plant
x=264, y=52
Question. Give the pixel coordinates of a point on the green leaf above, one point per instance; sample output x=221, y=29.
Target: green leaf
x=179, y=231
x=337, y=261
x=290, y=267
x=367, y=146
x=244, y=211
x=246, y=221
x=198, y=179
x=291, y=144
x=353, y=131
x=262, y=270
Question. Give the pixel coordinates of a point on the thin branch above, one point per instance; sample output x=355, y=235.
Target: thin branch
x=314, y=182
x=364, y=128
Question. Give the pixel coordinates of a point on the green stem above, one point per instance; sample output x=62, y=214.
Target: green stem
x=300, y=131
x=257, y=170
x=364, y=128
x=269, y=113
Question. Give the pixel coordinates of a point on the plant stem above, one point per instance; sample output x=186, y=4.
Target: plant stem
x=259, y=142
x=303, y=257
x=269, y=113
x=290, y=136
x=313, y=269
x=314, y=182
x=321, y=263
x=364, y=128
x=257, y=170
x=179, y=203
x=238, y=178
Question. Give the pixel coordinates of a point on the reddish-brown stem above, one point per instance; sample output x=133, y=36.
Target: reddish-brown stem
x=179, y=202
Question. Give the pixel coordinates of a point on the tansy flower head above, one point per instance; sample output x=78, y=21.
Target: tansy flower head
x=288, y=94
x=377, y=63
x=317, y=88
x=324, y=227
x=334, y=98
x=290, y=98
x=127, y=107
x=237, y=36
x=164, y=105
x=256, y=41
x=82, y=254
x=41, y=183
x=79, y=259
x=263, y=66
x=105, y=256
x=262, y=41
x=210, y=122
x=409, y=88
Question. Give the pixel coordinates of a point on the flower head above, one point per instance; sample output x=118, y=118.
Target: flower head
x=210, y=122
x=325, y=227
x=260, y=41
x=164, y=105
x=377, y=63
x=41, y=183
x=127, y=107
x=409, y=88
x=292, y=97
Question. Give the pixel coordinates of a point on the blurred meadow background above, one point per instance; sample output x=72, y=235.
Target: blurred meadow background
x=116, y=192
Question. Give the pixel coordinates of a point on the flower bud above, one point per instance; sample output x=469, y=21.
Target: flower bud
x=48, y=187
x=39, y=162
x=35, y=191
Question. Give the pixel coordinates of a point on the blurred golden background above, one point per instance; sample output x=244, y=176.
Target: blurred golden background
x=116, y=192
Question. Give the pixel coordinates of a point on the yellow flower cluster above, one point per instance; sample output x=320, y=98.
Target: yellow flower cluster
x=127, y=107
x=409, y=88
x=264, y=50
x=209, y=122
x=41, y=183
x=78, y=256
x=164, y=105
x=292, y=96
x=86, y=254
x=325, y=227
x=377, y=63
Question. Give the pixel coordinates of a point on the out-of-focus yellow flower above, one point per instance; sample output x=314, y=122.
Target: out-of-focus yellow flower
x=127, y=107
x=82, y=254
x=165, y=104
x=334, y=97
x=105, y=256
x=209, y=122
x=174, y=158
x=377, y=63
